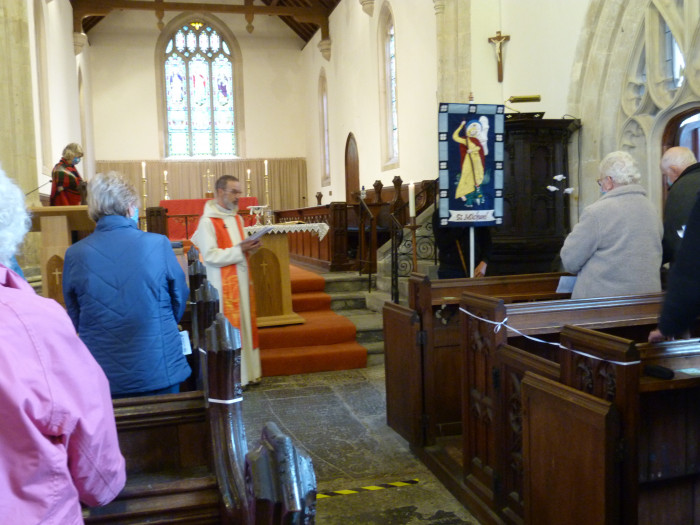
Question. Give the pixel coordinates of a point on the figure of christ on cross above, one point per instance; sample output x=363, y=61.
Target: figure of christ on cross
x=498, y=40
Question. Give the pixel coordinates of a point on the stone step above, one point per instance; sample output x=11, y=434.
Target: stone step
x=337, y=282
x=375, y=353
x=369, y=325
x=348, y=301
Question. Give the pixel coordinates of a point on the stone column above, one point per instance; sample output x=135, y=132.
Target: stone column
x=18, y=144
x=454, y=50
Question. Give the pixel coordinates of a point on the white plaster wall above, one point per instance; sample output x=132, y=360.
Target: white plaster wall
x=123, y=72
x=353, y=95
x=64, y=104
x=538, y=58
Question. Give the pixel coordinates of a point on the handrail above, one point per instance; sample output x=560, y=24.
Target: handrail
x=372, y=251
x=397, y=238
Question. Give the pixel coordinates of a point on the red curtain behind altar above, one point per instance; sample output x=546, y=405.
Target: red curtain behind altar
x=183, y=215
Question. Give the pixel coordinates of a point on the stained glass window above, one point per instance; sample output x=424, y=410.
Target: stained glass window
x=199, y=75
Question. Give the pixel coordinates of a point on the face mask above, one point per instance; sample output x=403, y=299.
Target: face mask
x=135, y=216
x=668, y=182
x=76, y=161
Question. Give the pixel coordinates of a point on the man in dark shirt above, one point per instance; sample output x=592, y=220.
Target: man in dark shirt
x=682, y=174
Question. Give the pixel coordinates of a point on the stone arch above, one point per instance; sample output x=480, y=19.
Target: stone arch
x=620, y=93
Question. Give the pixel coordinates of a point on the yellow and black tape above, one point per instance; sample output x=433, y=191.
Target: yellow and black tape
x=370, y=488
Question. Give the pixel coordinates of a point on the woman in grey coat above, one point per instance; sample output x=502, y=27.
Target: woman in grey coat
x=616, y=246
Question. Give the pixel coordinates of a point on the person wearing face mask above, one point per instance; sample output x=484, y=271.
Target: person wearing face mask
x=66, y=183
x=125, y=292
x=681, y=171
x=224, y=248
x=615, y=249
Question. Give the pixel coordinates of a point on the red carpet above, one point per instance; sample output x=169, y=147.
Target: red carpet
x=326, y=341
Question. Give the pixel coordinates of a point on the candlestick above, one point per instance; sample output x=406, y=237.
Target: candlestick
x=411, y=200
x=266, y=167
x=143, y=170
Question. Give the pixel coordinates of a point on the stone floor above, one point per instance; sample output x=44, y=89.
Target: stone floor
x=339, y=420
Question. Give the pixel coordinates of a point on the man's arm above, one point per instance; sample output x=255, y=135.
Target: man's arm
x=205, y=240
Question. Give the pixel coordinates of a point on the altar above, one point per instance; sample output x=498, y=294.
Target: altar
x=183, y=214
x=269, y=267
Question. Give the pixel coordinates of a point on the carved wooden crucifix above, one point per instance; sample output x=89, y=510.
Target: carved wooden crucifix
x=497, y=40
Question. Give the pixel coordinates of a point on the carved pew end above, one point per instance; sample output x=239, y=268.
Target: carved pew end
x=280, y=481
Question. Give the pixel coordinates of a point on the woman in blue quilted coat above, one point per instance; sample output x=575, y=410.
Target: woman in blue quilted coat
x=125, y=293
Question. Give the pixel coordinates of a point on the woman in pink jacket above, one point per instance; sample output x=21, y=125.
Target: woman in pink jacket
x=58, y=439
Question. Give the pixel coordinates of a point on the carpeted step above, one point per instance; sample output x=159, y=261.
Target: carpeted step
x=306, y=359
x=321, y=328
x=309, y=301
x=305, y=281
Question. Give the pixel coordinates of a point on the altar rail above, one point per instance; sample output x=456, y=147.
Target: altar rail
x=331, y=253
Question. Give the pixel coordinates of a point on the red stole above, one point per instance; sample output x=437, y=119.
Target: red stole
x=231, y=297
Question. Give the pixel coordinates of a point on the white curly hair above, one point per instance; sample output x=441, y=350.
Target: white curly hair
x=620, y=167
x=14, y=218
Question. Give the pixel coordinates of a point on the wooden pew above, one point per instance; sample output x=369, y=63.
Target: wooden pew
x=472, y=467
x=637, y=459
x=186, y=454
x=423, y=360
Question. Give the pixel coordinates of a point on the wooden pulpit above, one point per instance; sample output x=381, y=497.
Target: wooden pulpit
x=269, y=267
x=56, y=224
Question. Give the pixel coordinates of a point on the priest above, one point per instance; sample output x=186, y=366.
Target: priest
x=224, y=247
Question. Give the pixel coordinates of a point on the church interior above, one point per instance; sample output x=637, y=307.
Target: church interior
x=411, y=406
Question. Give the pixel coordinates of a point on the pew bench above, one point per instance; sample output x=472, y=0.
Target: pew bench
x=423, y=360
x=164, y=440
x=636, y=458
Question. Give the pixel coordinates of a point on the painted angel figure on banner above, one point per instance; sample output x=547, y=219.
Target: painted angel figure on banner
x=473, y=148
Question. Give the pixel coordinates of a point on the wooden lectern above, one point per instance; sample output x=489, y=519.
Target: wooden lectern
x=269, y=267
x=55, y=224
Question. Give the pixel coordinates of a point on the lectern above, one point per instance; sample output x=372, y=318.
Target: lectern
x=55, y=224
x=269, y=267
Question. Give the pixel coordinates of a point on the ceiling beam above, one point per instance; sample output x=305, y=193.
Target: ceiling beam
x=316, y=13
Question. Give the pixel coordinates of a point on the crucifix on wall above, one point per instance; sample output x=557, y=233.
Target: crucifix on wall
x=498, y=40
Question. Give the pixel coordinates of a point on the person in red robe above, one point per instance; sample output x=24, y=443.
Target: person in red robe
x=66, y=183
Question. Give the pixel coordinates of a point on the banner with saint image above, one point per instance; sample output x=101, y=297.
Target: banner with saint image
x=471, y=152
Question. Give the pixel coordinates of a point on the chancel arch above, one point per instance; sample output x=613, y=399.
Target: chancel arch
x=627, y=86
x=200, y=88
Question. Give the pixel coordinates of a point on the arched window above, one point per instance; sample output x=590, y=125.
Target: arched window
x=200, y=83
x=388, y=88
x=323, y=127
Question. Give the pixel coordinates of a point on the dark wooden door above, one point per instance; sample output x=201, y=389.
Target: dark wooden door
x=352, y=170
x=535, y=219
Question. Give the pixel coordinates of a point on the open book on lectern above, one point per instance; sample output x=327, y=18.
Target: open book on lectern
x=260, y=233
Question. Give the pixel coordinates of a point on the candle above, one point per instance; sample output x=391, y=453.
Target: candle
x=265, y=166
x=165, y=176
x=411, y=200
x=248, y=173
x=143, y=170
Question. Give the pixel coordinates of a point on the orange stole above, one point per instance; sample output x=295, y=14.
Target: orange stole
x=229, y=281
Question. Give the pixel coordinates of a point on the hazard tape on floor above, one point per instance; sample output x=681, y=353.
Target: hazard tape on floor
x=370, y=488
